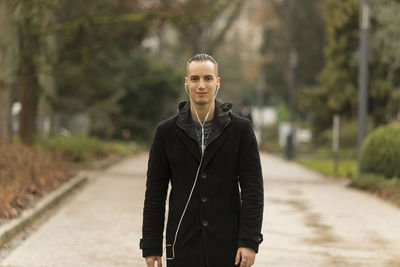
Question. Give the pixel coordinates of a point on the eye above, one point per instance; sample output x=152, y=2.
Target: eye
x=209, y=78
x=194, y=78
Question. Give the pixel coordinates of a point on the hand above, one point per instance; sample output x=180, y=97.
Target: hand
x=248, y=256
x=150, y=260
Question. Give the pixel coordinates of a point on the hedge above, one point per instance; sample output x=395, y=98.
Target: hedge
x=381, y=151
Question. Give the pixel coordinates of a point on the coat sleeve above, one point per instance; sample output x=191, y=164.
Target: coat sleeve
x=252, y=191
x=158, y=176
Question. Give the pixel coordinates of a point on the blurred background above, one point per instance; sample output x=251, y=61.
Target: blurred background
x=89, y=77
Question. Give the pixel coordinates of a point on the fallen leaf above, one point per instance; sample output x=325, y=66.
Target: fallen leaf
x=33, y=189
x=13, y=213
x=20, y=202
x=42, y=182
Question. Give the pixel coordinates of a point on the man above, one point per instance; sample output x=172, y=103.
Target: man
x=206, y=152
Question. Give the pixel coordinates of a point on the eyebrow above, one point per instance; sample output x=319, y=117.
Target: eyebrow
x=206, y=76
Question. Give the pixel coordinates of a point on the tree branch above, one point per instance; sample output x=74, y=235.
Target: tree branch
x=220, y=37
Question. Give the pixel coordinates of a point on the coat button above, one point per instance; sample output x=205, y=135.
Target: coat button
x=204, y=223
x=204, y=175
x=259, y=238
x=203, y=198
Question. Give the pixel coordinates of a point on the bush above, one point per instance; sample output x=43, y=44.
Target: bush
x=270, y=139
x=386, y=188
x=77, y=148
x=81, y=148
x=374, y=182
x=348, y=135
x=381, y=151
x=25, y=175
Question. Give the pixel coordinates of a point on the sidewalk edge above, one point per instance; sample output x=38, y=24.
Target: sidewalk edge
x=27, y=217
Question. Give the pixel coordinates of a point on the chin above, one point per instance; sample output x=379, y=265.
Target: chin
x=202, y=102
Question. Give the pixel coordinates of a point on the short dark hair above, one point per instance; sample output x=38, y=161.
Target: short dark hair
x=202, y=57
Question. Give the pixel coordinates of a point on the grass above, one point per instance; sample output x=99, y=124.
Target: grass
x=346, y=168
x=80, y=149
x=386, y=188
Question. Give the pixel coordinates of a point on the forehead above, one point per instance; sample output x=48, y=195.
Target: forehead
x=201, y=68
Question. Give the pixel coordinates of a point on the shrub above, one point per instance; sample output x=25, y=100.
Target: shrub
x=77, y=148
x=81, y=148
x=270, y=139
x=348, y=135
x=25, y=175
x=381, y=151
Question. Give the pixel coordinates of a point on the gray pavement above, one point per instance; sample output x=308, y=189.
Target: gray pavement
x=308, y=221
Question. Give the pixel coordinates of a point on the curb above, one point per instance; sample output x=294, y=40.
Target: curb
x=27, y=217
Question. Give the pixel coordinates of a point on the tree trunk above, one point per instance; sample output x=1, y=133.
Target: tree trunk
x=28, y=80
x=6, y=66
x=48, y=87
x=215, y=43
x=5, y=109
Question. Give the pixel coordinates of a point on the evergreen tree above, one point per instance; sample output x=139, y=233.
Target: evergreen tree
x=385, y=61
x=336, y=91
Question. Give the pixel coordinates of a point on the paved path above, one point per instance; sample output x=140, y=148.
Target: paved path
x=308, y=221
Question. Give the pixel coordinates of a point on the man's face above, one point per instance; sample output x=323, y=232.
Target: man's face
x=202, y=81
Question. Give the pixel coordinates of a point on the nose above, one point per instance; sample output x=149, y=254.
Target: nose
x=202, y=84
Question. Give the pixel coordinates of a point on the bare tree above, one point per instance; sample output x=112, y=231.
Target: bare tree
x=33, y=18
x=7, y=56
x=207, y=32
x=202, y=24
x=28, y=45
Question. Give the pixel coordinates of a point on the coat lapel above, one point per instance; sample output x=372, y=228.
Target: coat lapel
x=213, y=147
x=219, y=129
x=187, y=132
x=190, y=144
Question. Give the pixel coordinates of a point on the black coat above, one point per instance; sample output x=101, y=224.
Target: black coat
x=221, y=216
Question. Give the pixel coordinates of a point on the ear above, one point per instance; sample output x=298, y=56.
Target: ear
x=186, y=87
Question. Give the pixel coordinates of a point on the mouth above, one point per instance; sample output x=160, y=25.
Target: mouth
x=201, y=93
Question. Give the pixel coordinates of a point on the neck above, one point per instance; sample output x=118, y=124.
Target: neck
x=202, y=111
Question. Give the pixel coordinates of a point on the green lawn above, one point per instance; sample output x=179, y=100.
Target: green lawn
x=80, y=149
x=346, y=168
x=388, y=189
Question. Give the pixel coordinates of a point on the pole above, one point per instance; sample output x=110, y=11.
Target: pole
x=363, y=79
x=260, y=104
x=335, y=142
x=290, y=150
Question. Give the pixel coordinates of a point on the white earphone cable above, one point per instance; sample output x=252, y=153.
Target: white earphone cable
x=197, y=172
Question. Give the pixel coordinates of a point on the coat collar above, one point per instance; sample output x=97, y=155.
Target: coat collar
x=220, y=121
